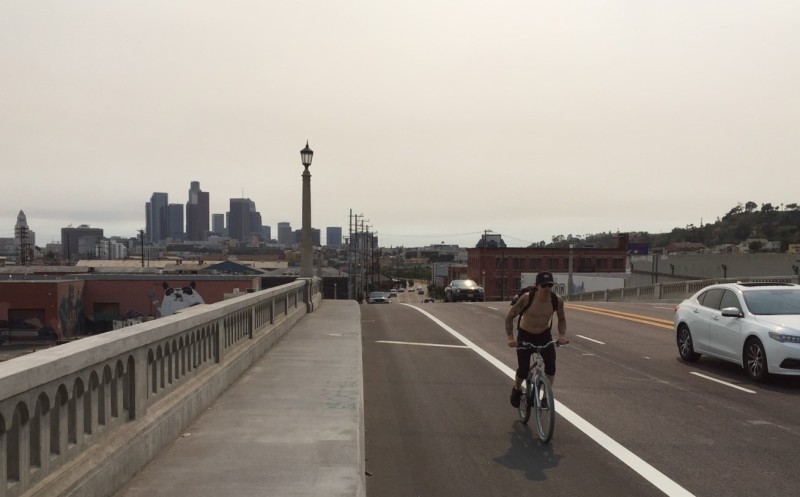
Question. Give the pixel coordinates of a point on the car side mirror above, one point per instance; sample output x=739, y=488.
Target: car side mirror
x=731, y=312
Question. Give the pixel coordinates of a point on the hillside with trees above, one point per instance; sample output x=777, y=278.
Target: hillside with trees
x=743, y=222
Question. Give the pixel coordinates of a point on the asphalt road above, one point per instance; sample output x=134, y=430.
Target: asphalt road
x=633, y=419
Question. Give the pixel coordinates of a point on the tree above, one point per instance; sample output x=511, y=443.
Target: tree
x=749, y=206
x=734, y=211
x=755, y=246
x=767, y=207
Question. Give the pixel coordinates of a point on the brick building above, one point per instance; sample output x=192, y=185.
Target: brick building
x=499, y=269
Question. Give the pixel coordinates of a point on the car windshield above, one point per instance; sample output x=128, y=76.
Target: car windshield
x=773, y=301
x=376, y=294
x=465, y=284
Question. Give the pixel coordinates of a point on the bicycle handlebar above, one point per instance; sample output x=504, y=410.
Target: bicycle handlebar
x=537, y=348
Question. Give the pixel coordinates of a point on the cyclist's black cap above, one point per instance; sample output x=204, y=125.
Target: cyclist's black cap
x=544, y=277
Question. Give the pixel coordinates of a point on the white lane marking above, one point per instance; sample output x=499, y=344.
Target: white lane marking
x=423, y=344
x=591, y=339
x=662, y=307
x=723, y=382
x=648, y=472
x=493, y=308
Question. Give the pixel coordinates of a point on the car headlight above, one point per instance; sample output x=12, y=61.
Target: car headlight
x=784, y=338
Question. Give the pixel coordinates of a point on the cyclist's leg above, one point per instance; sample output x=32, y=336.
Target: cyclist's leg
x=549, y=357
x=523, y=358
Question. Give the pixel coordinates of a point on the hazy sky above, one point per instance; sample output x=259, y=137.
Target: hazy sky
x=434, y=119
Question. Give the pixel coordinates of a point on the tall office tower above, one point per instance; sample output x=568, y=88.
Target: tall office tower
x=80, y=242
x=25, y=240
x=266, y=233
x=197, y=213
x=147, y=218
x=240, y=218
x=297, y=236
x=285, y=236
x=175, y=214
x=333, y=236
x=158, y=217
x=218, y=224
x=255, y=222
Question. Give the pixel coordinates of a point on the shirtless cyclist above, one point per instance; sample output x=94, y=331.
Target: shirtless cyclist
x=535, y=328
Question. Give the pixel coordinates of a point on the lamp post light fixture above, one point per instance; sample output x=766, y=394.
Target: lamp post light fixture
x=306, y=253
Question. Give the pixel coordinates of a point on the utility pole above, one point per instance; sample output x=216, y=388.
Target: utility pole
x=141, y=239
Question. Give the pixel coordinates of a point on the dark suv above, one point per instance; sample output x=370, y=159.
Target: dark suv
x=463, y=290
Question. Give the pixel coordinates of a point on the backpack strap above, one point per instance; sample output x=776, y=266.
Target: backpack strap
x=531, y=293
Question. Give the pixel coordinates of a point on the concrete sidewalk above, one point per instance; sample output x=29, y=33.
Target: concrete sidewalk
x=292, y=425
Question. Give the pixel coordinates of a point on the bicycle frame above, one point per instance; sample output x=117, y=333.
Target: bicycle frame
x=538, y=394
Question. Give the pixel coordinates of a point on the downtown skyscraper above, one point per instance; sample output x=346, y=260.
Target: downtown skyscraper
x=197, y=213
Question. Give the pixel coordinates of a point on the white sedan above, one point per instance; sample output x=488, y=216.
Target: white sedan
x=755, y=325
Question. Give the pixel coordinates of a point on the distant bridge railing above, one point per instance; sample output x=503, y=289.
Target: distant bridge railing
x=673, y=291
x=82, y=418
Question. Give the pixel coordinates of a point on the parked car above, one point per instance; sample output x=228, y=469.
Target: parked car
x=463, y=290
x=378, y=298
x=755, y=325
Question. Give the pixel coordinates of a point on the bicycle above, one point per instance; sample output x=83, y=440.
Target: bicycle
x=537, y=393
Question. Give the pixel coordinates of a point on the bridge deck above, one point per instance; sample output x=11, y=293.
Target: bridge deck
x=291, y=425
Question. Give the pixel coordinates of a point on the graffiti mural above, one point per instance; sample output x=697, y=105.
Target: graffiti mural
x=70, y=313
x=179, y=298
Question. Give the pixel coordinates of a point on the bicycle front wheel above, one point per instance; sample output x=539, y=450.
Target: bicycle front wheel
x=544, y=407
x=525, y=401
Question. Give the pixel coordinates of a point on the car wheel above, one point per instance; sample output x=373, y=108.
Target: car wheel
x=685, y=347
x=755, y=360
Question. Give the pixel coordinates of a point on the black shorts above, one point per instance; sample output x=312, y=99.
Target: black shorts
x=524, y=355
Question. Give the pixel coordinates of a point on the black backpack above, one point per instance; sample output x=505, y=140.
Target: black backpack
x=532, y=291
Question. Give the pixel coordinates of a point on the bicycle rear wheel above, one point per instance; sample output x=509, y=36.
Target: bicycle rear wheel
x=525, y=403
x=544, y=407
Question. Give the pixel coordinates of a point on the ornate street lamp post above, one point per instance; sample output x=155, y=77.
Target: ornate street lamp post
x=569, y=277
x=306, y=253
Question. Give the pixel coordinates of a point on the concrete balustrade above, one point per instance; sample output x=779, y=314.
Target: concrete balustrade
x=82, y=418
x=671, y=292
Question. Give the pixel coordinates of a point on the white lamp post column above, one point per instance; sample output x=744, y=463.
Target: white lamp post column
x=569, y=278
x=307, y=253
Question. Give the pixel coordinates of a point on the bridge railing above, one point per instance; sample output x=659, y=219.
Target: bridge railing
x=673, y=291
x=83, y=417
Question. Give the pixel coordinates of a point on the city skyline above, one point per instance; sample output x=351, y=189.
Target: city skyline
x=436, y=120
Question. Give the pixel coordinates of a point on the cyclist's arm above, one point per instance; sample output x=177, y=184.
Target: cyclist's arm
x=562, y=322
x=512, y=313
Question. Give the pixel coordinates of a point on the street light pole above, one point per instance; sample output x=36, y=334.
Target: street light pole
x=569, y=278
x=483, y=256
x=306, y=254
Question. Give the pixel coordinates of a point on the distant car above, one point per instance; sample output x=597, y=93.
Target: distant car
x=378, y=298
x=428, y=300
x=401, y=289
x=463, y=290
x=421, y=291
x=392, y=293
x=755, y=325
